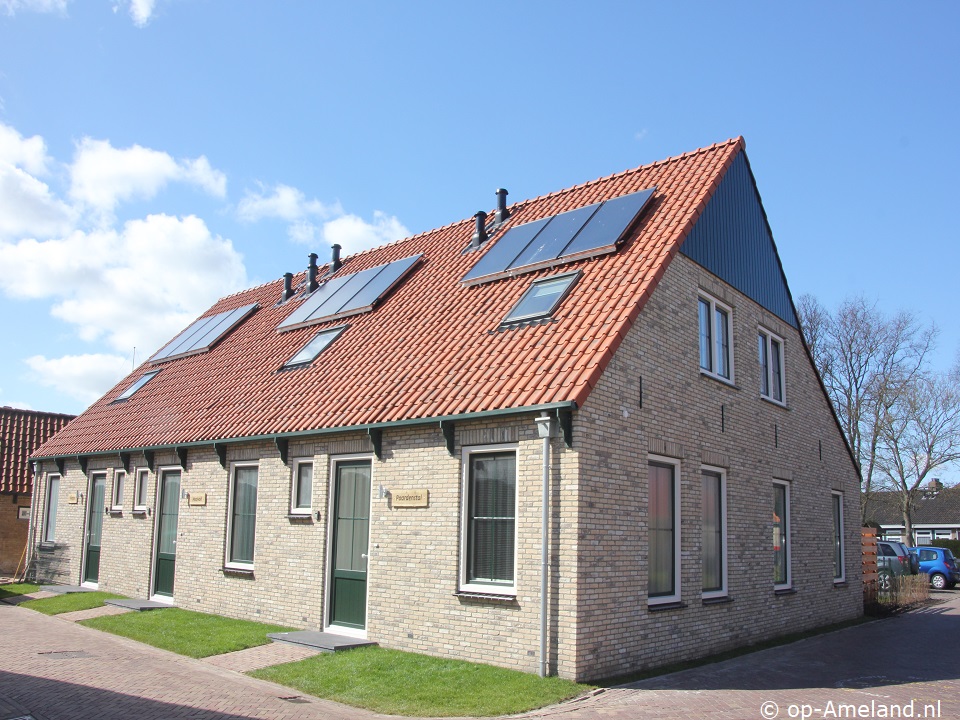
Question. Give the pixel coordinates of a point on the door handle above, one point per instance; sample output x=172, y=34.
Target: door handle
x=363, y=556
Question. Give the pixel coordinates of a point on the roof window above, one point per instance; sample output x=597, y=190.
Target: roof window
x=574, y=235
x=203, y=334
x=313, y=348
x=349, y=294
x=541, y=298
x=144, y=379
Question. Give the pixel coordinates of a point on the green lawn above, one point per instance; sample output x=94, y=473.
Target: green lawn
x=14, y=589
x=69, y=602
x=401, y=683
x=187, y=632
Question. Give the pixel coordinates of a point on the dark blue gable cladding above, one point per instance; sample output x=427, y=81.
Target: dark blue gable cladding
x=732, y=240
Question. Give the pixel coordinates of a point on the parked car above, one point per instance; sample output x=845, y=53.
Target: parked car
x=893, y=560
x=939, y=564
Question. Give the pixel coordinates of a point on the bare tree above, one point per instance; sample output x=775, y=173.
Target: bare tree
x=919, y=433
x=866, y=361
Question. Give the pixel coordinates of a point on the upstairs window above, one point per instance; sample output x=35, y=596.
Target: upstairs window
x=541, y=298
x=770, y=349
x=716, y=358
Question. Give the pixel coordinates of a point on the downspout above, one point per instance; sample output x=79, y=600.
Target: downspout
x=545, y=431
x=37, y=469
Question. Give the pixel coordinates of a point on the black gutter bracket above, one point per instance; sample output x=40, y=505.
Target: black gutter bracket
x=125, y=461
x=149, y=456
x=182, y=455
x=448, y=427
x=61, y=465
x=376, y=437
x=83, y=464
x=221, y=450
x=565, y=420
x=283, y=446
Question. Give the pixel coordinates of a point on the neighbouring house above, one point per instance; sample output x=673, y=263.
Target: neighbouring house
x=370, y=447
x=936, y=514
x=21, y=432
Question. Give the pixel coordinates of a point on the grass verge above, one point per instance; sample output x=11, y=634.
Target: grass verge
x=186, y=632
x=69, y=602
x=14, y=589
x=402, y=683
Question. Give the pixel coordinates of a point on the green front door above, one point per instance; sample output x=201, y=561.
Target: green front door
x=91, y=566
x=168, y=505
x=351, y=532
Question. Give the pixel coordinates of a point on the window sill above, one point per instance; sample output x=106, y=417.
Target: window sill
x=47, y=547
x=140, y=512
x=772, y=401
x=308, y=517
x=116, y=512
x=785, y=591
x=487, y=597
x=719, y=378
x=238, y=572
x=719, y=600
x=839, y=583
x=668, y=605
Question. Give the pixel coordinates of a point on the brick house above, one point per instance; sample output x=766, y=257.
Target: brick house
x=358, y=448
x=21, y=432
x=936, y=514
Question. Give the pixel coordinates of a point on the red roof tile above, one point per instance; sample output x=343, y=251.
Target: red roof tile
x=22, y=432
x=431, y=349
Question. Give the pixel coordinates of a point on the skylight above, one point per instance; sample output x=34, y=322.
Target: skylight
x=349, y=294
x=203, y=334
x=574, y=235
x=541, y=298
x=144, y=379
x=317, y=345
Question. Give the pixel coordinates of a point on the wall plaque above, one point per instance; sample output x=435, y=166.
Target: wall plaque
x=72, y=498
x=198, y=499
x=419, y=497
x=23, y=513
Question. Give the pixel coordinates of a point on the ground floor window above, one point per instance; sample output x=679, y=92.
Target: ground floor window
x=838, y=572
x=714, y=511
x=119, y=479
x=490, y=527
x=50, y=520
x=302, y=490
x=243, y=516
x=664, y=533
x=140, y=490
x=781, y=534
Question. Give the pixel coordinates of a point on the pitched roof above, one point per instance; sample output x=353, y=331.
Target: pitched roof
x=432, y=349
x=22, y=432
x=930, y=508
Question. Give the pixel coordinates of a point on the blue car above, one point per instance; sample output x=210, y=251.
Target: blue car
x=939, y=564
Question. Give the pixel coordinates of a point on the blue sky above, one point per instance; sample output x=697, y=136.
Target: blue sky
x=158, y=154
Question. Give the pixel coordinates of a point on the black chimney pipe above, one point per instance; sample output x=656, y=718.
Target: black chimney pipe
x=502, y=212
x=287, y=287
x=480, y=234
x=312, y=273
x=335, y=263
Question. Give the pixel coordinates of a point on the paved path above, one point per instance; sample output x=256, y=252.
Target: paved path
x=57, y=670
x=254, y=658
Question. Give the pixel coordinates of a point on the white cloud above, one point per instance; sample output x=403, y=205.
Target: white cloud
x=28, y=208
x=30, y=154
x=11, y=7
x=131, y=288
x=102, y=176
x=140, y=11
x=354, y=234
x=312, y=221
x=83, y=377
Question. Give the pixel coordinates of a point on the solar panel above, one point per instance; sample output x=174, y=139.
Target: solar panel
x=349, y=294
x=203, y=334
x=573, y=235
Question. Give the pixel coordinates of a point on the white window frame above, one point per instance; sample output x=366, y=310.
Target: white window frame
x=140, y=490
x=50, y=519
x=768, y=338
x=714, y=305
x=487, y=588
x=677, y=591
x=116, y=497
x=228, y=541
x=836, y=499
x=786, y=537
x=294, y=486
x=724, y=563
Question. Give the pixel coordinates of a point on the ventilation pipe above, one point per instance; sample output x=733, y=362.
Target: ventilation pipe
x=502, y=212
x=480, y=234
x=287, y=287
x=312, y=273
x=334, y=260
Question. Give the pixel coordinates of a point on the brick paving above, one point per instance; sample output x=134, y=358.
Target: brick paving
x=255, y=658
x=56, y=670
x=78, y=615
